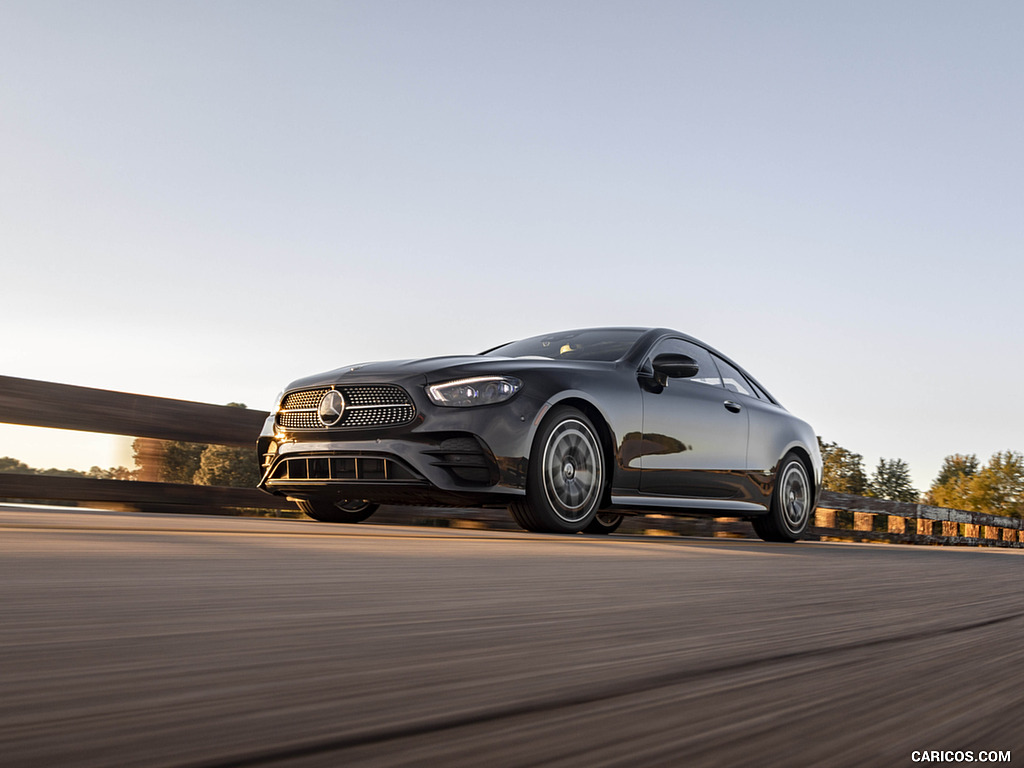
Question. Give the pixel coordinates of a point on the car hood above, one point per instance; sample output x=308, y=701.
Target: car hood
x=431, y=370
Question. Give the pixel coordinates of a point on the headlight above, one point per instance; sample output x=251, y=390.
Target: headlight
x=482, y=390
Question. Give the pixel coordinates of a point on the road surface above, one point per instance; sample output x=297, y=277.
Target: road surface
x=153, y=640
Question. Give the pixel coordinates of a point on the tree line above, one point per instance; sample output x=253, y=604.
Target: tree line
x=963, y=482
x=17, y=467
x=165, y=462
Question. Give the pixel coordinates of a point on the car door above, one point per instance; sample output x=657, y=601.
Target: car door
x=694, y=433
x=768, y=431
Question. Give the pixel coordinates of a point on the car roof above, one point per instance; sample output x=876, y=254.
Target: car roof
x=649, y=336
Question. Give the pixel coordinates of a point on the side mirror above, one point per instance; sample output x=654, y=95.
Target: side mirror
x=674, y=366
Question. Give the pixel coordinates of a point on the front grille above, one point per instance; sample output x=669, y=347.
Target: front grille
x=306, y=398
x=366, y=406
x=378, y=417
x=375, y=395
x=299, y=420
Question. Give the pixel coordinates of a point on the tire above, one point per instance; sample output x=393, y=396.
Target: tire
x=565, y=479
x=604, y=523
x=329, y=511
x=792, y=500
x=524, y=518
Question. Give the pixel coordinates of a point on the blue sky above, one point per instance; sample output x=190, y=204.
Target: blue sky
x=206, y=200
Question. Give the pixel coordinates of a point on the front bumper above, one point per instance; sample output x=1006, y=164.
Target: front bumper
x=445, y=456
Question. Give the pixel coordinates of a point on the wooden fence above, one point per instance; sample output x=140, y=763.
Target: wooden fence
x=45, y=404
x=63, y=406
x=841, y=515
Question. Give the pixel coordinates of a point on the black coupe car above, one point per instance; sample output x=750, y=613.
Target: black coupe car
x=571, y=431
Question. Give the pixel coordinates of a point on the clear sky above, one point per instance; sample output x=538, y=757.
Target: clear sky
x=205, y=200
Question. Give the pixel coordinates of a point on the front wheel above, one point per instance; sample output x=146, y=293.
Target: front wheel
x=604, y=523
x=565, y=480
x=329, y=511
x=792, y=501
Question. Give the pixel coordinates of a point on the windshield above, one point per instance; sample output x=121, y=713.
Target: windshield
x=598, y=344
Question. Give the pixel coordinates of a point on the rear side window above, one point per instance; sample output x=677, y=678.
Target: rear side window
x=759, y=392
x=735, y=381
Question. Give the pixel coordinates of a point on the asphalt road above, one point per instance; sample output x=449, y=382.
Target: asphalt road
x=150, y=640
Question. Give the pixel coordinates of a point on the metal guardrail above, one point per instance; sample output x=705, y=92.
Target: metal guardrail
x=63, y=406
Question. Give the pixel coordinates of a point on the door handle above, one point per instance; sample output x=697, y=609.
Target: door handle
x=731, y=406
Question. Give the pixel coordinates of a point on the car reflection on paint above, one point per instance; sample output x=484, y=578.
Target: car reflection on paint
x=570, y=431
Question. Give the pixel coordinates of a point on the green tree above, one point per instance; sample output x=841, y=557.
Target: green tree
x=228, y=465
x=167, y=461
x=950, y=488
x=14, y=466
x=181, y=461
x=114, y=473
x=843, y=470
x=957, y=465
x=998, y=488
x=7, y=464
x=232, y=466
x=54, y=472
x=891, y=480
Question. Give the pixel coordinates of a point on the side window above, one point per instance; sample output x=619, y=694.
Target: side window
x=734, y=380
x=706, y=374
x=759, y=392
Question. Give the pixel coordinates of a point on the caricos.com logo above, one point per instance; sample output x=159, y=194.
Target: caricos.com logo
x=959, y=756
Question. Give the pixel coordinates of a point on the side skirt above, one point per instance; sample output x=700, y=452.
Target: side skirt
x=668, y=505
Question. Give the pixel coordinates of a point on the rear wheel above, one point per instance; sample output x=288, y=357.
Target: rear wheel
x=792, y=501
x=329, y=511
x=565, y=480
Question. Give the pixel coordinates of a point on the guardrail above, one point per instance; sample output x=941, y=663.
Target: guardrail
x=901, y=522
x=63, y=406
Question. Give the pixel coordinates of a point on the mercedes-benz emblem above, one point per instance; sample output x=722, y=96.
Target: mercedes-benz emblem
x=331, y=408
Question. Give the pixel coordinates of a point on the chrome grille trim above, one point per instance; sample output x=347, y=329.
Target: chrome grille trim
x=299, y=420
x=365, y=396
x=306, y=398
x=366, y=406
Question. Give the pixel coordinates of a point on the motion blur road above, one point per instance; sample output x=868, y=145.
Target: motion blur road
x=151, y=640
